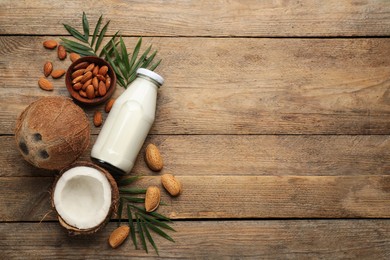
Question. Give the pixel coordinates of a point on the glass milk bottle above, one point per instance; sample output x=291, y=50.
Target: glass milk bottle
x=128, y=124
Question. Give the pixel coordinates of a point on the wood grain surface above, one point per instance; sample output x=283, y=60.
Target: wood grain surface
x=217, y=86
x=266, y=239
x=203, y=17
x=248, y=155
x=28, y=199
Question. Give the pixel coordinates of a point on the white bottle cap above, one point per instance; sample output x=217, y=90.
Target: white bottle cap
x=151, y=74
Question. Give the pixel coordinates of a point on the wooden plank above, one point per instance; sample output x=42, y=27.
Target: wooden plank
x=250, y=155
x=270, y=239
x=204, y=18
x=27, y=199
x=238, y=86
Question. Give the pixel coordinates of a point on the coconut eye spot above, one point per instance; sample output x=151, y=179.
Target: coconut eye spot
x=43, y=154
x=23, y=147
x=37, y=137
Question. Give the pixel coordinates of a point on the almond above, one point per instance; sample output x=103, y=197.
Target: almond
x=86, y=84
x=102, y=88
x=61, y=52
x=89, y=68
x=153, y=158
x=95, y=83
x=118, y=236
x=74, y=56
x=77, y=86
x=45, y=84
x=90, y=92
x=109, y=105
x=97, y=118
x=108, y=82
x=81, y=65
x=103, y=70
x=152, y=198
x=57, y=74
x=50, y=44
x=87, y=76
x=82, y=93
x=171, y=184
x=77, y=73
x=77, y=79
x=95, y=70
x=100, y=77
x=47, y=68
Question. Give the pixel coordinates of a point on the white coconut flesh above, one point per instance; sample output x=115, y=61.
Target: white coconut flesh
x=82, y=197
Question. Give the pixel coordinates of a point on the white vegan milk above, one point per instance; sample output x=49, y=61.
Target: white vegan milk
x=128, y=123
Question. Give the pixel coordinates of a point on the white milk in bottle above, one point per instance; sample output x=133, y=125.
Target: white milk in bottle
x=128, y=124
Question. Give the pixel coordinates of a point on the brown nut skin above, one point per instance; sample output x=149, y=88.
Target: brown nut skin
x=50, y=44
x=118, y=236
x=153, y=158
x=97, y=119
x=152, y=198
x=61, y=52
x=109, y=105
x=47, y=68
x=171, y=184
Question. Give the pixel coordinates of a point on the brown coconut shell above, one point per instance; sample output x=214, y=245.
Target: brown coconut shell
x=74, y=231
x=52, y=132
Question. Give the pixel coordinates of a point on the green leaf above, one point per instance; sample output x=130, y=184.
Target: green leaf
x=149, y=237
x=154, y=66
x=76, y=50
x=85, y=27
x=76, y=45
x=149, y=60
x=132, y=190
x=112, y=43
x=160, y=232
x=141, y=233
x=101, y=35
x=154, y=214
x=131, y=225
x=97, y=27
x=120, y=207
x=135, y=52
x=156, y=221
x=75, y=33
x=141, y=59
x=125, y=58
x=133, y=199
x=128, y=180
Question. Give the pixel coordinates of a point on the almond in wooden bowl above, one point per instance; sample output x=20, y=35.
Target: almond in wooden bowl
x=84, y=73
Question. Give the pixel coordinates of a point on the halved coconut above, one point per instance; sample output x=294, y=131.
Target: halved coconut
x=84, y=197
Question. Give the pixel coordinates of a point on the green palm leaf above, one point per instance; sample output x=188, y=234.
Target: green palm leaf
x=97, y=27
x=85, y=27
x=131, y=225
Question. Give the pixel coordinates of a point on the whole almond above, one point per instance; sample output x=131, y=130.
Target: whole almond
x=97, y=119
x=61, y=52
x=153, y=158
x=82, y=93
x=118, y=236
x=109, y=105
x=57, y=74
x=50, y=44
x=87, y=76
x=103, y=70
x=86, y=84
x=100, y=77
x=171, y=184
x=90, y=92
x=77, y=73
x=102, y=88
x=95, y=82
x=81, y=65
x=89, y=68
x=77, y=86
x=108, y=82
x=77, y=79
x=45, y=84
x=74, y=56
x=95, y=70
x=152, y=198
x=47, y=68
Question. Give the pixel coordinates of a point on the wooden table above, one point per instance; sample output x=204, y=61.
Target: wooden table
x=275, y=116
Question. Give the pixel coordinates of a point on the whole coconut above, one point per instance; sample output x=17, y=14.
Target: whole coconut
x=52, y=132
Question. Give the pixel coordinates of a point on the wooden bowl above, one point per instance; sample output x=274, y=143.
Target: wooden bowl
x=75, y=94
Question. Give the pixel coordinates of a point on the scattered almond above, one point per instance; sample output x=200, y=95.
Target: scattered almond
x=171, y=184
x=153, y=158
x=74, y=56
x=152, y=198
x=50, y=44
x=97, y=118
x=109, y=105
x=61, y=52
x=118, y=236
x=45, y=84
x=57, y=74
x=47, y=68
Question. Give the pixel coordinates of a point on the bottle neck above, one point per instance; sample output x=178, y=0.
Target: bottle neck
x=155, y=83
